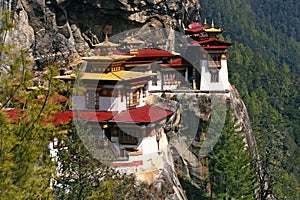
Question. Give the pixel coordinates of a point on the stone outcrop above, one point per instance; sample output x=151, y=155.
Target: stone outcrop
x=73, y=26
x=190, y=156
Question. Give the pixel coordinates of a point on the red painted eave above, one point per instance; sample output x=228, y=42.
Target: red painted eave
x=144, y=53
x=62, y=118
x=210, y=40
x=196, y=28
x=100, y=116
x=94, y=116
x=215, y=47
x=175, y=62
x=144, y=114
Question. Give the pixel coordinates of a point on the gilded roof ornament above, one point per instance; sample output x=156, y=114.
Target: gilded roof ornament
x=106, y=43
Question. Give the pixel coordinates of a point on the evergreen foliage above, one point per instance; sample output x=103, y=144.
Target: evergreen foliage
x=232, y=174
x=264, y=66
x=80, y=176
x=25, y=164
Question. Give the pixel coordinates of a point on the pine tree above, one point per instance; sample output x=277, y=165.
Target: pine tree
x=232, y=174
x=81, y=176
x=25, y=163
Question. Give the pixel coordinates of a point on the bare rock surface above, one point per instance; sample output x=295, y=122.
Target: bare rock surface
x=68, y=26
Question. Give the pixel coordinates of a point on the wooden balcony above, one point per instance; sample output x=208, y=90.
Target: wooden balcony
x=129, y=140
x=214, y=64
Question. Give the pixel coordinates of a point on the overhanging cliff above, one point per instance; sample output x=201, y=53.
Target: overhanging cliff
x=73, y=26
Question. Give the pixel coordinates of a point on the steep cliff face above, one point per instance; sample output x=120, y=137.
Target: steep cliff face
x=191, y=145
x=73, y=26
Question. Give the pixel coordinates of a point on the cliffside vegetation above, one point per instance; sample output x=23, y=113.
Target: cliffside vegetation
x=25, y=163
x=232, y=169
x=26, y=168
x=264, y=66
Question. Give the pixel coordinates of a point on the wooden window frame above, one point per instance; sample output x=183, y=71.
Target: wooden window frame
x=214, y=76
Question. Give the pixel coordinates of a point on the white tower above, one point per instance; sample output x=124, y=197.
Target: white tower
x=213, y=60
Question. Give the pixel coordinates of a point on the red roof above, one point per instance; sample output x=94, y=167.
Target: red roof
x=144, y=114
x=99, y=116
x=212, y=40
x=215, y=47
x=196, y=27
x=62, y=117
x=175, y=62
x=213, y=43
x=66, y=116
x=144, y=53
x=96, y=116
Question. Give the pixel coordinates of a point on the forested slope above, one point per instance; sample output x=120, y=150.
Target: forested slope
x=264, y=66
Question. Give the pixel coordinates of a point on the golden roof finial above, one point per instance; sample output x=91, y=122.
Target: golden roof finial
x=212, y=24
x=106, y=37
x=205, y=23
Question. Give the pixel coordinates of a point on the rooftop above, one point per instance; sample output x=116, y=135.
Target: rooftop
x=144, y=114
x=115, y=76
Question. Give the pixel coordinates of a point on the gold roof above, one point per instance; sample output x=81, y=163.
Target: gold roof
x=115, y=76
x=216, y=30
x=106, y=43
x=107, y=58
x=66, y=77
x=133, y=40
x=212, y=29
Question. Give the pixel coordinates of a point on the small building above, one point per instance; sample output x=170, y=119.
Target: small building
x=111, y=91
x=106, y=86
x=213, y=60
x=111, y=100
x=171, y=71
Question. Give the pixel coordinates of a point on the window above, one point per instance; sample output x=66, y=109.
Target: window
x=214, y=76
x=114, y=132
x=92, y=99
x=215, y=61
x=128, y=137
x=133, y=98
x=154, y=79
x=172, y=78
x=115, y=69
x=143, y=91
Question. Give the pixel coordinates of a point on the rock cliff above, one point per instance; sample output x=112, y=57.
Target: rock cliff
x=190, y=145
x=73, y=26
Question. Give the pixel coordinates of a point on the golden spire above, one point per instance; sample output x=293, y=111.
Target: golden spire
x=106, y=37
x=212, y=24
x=205, y=23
